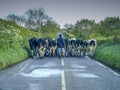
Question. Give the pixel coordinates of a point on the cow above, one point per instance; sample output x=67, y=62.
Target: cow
x=84, y=47
x=79, y=47
x=41, y=47
x=47, y=47
x=53, y=47
x=73, y=47
x=33, y=46
x=69, y=47
x=92, y=46
x=67, y=43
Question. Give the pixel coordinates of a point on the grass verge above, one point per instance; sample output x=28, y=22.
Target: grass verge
x=109, y=55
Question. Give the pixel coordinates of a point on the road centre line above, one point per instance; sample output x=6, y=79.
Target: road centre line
x=62, y=62
x=63, y=80
x=63, y=76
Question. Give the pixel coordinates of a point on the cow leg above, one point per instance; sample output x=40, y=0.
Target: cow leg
x=41, y=52
x=54, y=51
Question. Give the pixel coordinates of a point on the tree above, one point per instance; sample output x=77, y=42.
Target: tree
x=109, y=26
x=69, y=27
x=13, y=17
x=35, y=18
x=50, y=29
x=111, y=23
x=20, y=20
x=85, y=26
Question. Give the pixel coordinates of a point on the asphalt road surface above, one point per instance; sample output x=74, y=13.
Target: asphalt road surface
x=53, y=73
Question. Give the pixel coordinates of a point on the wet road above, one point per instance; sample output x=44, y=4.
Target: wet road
x=53, y=73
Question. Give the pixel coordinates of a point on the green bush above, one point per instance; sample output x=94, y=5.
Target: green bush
x=116, y=40
x=13, y=40
x=11, y=56
x=109, y=54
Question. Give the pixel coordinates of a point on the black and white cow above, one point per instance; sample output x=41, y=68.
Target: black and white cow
x=33, y=46
x=47, y=47
x=41, y=47
x=67, y=43
x=53, y=47
x=73, y=47
x=79, y=46
x=92, y=46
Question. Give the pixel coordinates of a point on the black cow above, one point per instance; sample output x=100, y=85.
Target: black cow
x=53, y=47
x=84, y=47
x=33, y=46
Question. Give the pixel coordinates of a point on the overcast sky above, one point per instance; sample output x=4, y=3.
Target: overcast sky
x=64, y=11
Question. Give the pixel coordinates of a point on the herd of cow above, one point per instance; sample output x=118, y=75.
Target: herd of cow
x=72, y=47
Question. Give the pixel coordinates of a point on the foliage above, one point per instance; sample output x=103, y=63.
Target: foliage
x=14, y=45
x=68, y=35
x=33, y=18
x=110, y=23
x=8, y=35
x=50, y=30
x=12, y=55
x=20, y=20
x=84, y=28
x=109, y=54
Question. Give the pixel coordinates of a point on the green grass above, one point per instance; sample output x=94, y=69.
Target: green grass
x=11, y=56
x=109, y=54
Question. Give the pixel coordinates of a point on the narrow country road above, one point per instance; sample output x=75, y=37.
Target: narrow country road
x=53, y=73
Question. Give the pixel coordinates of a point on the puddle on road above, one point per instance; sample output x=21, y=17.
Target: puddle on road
x=86, y=75
x=41, y=73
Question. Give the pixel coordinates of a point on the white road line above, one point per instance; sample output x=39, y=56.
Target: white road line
x=62, y=62
x=23, y=67
x=63, y=76
x=101, y=64
x=18, y=72
x=63, y=80
x=115, y=73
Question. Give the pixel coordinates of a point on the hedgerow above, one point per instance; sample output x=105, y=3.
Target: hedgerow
x=14, y=46
x=109, y=54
